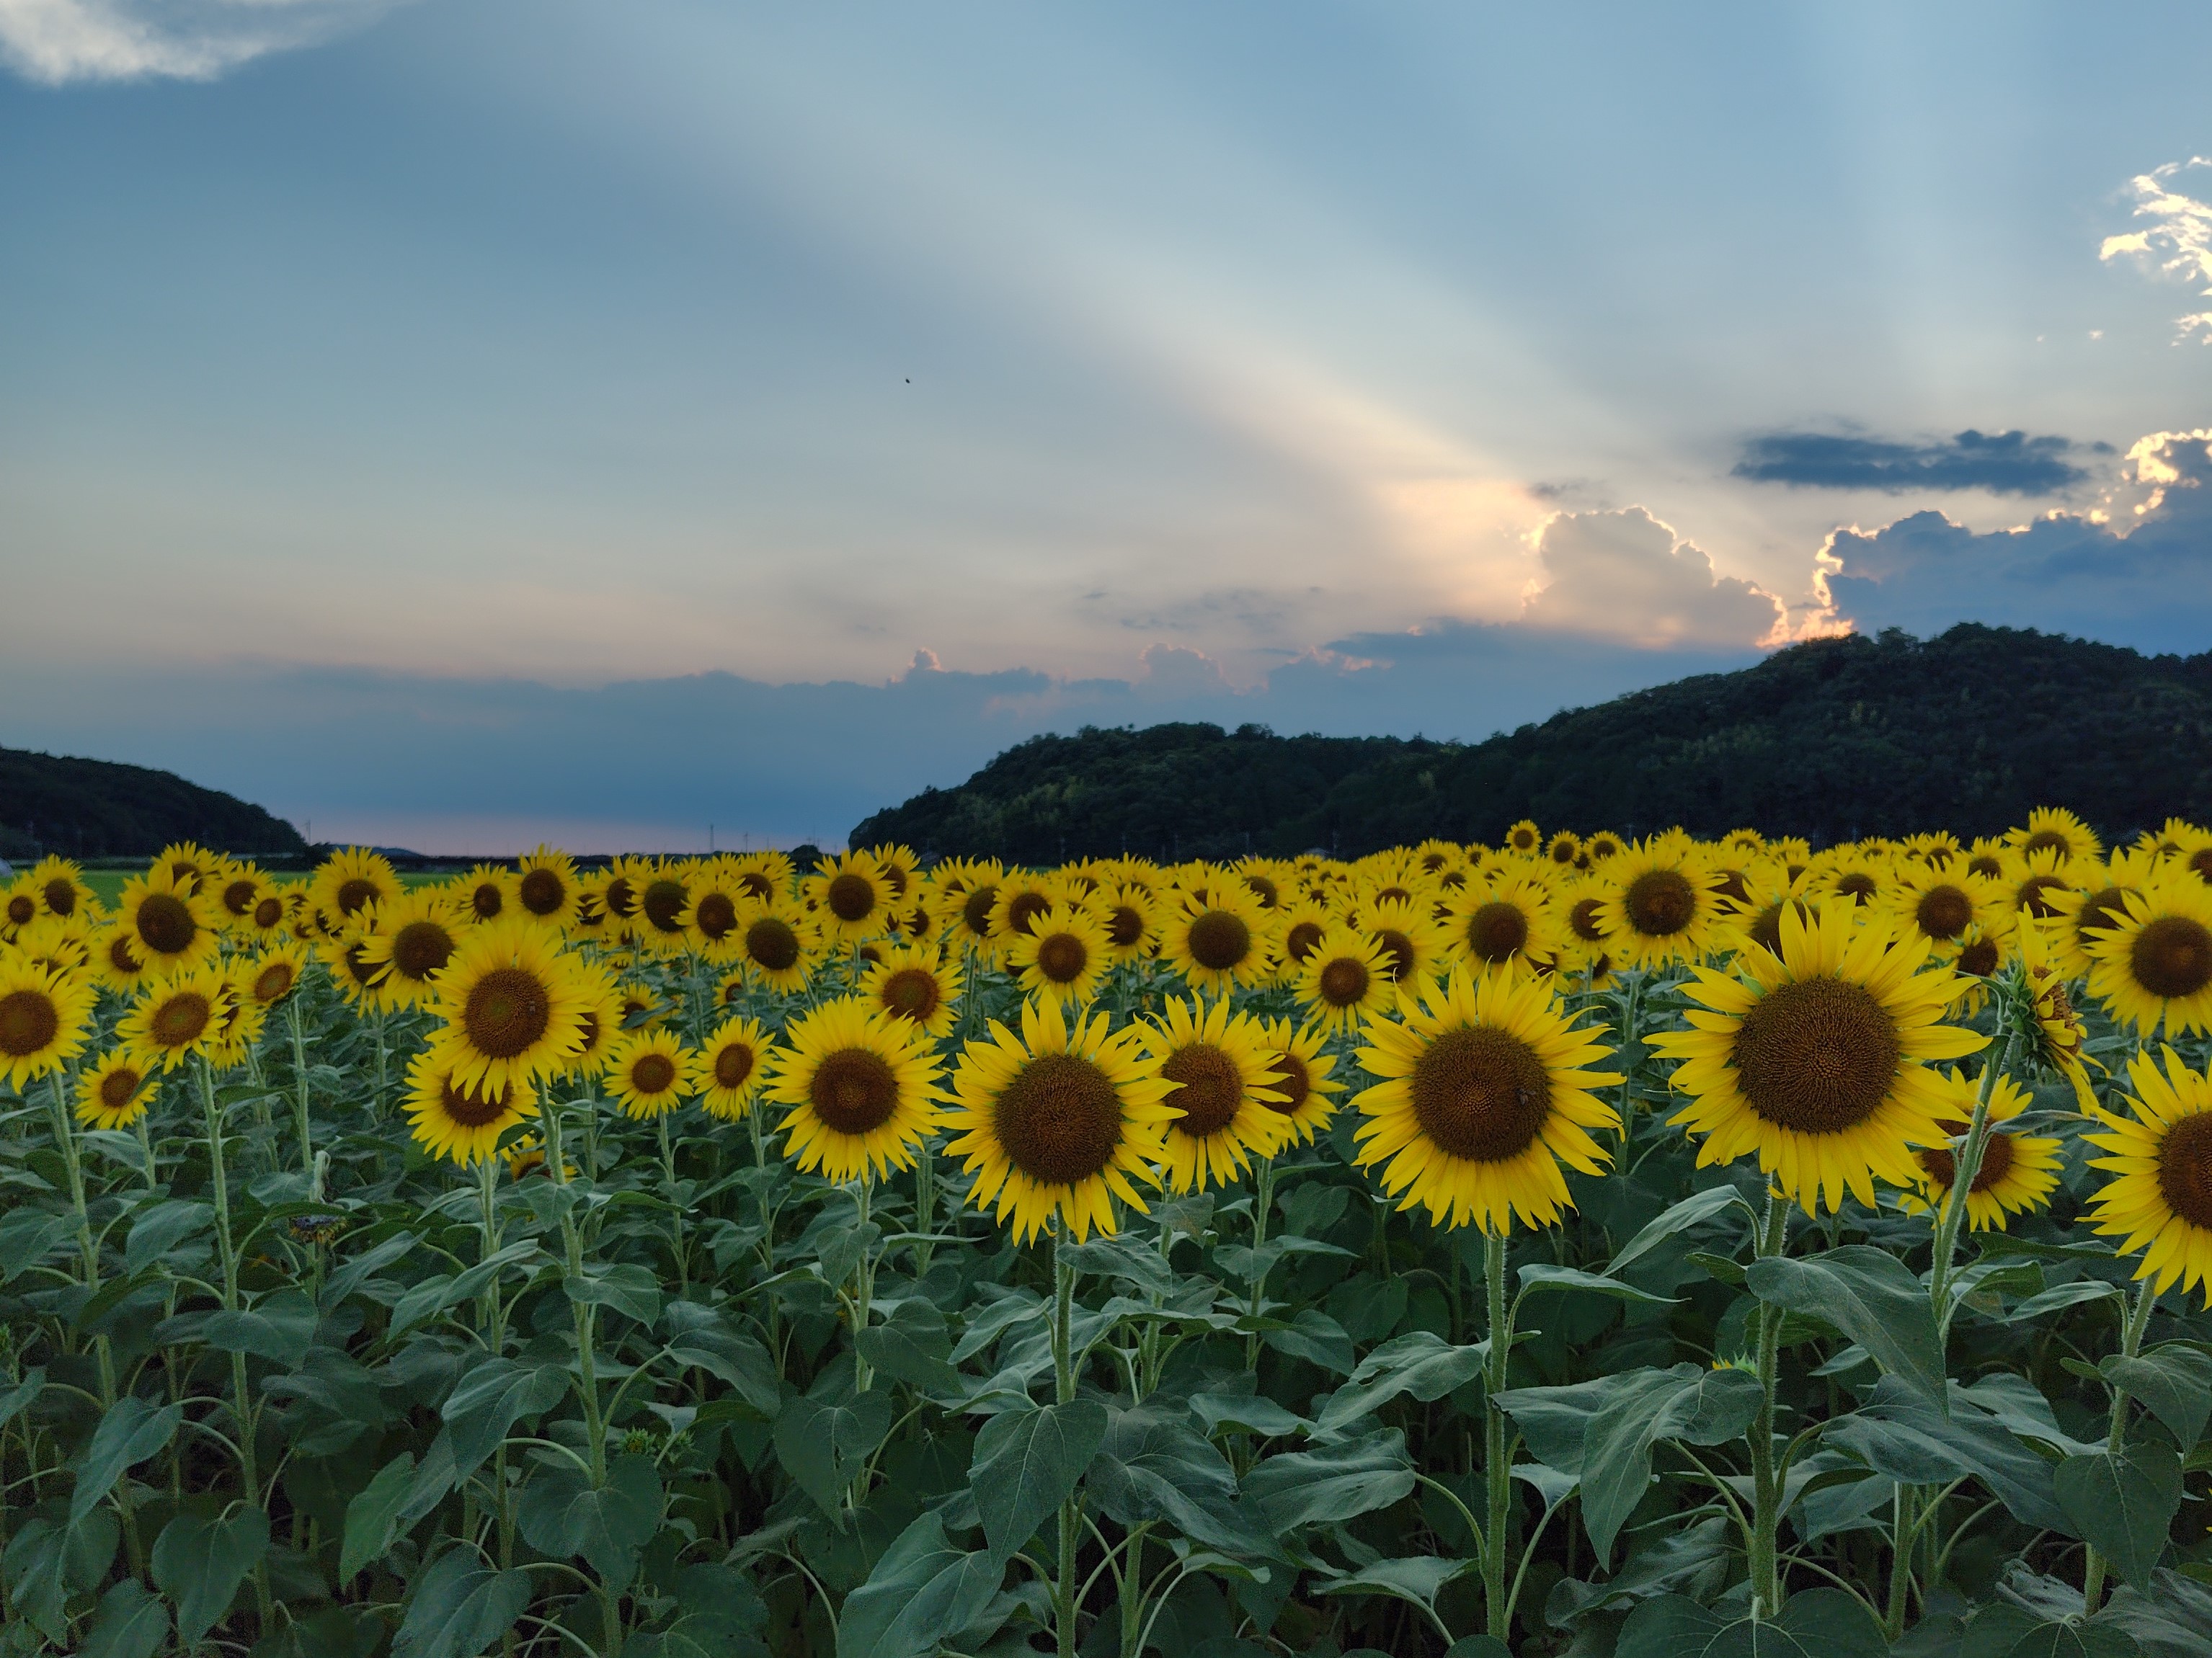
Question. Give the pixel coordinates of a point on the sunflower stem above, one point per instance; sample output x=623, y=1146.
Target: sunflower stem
x=241, y=1409
x=1498, y=1468
x=924, y=1205
x=1766, y=1492
x=1063, y=1373
x=299, y=1081
x=1263, y=1203
x=2131, y=1335
x=864, y=1276
x=1966, y=1165
x=1903, y=1522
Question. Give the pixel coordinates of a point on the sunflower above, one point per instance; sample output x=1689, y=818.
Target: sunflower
x=664, y=895
x=646, y=1071
x=764, y=876
x=2018, y=1173
x=1603, y=845
x=43, y=1016
x=1941, y=907
x=113, y=963
x=2054, y=829
x=486, y=893
x=1504, y=921
x=726, y=1073
x=1267, y=879
x=169, y=924
x=917, y=984
x=1563, y=849
x=1663, y=905
x=1816, y=1060
x=1303, y=921
x=1223, y=1093
x=235, y=891
x=1524, y=838
x=345, y=956
x=1304, y=1077
x=274, y=974
x=1857, y=877
x=1021, y=897
x=1484, y=1092
x=113, y=1093
x=616, y=888
x=2159, y=1198
x=351, y=879
x=273, y=910
x=544, y=887
x=1582, y=940
x=776, y=944
x=1129, y=916
x=901, y=867
x=19, y=905
x=1414, y=947
x=178, y=1017
x=1346, y=981
x=186, y=863
x=598, y=1022
x=2086, y=913
x=59, y=942
x=850, y=897
x=59, y=887
x=1062, y=953
x=1218, y=938
x=514, y=1007
x=965, y=894
x=458, y=1117
x=407, y=943
x=1058, y=1120
x=861, y=1088
x=240, y=1026
x=2153, y=964
x=2033, y=881
x=713, y=920
x=1981, y=952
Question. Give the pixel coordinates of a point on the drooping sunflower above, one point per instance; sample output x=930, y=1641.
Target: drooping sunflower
x=1222, y=1092
x=408, y=942
x=1346, y=981
x=275, y=974
x=545, y=887
x=1663, y=905
x=1058, y=1120
x=852, y=900
x=1816, y=1060
x=1304, y=1077
x=60, y=888
x=1485, y=1090
x=352, y=878
x=2153, y=964
x=1129, y=916
x=1062, y=953
x=2159, y=1198
x=917, y=984
x=776, y=946
x=177, y=1016
x=114, y=1093
x=1504, y=921
x=861, y=1088
x=2054, y=829
x=513, y=1005
x=113, y=963
x=2019, y=1172
x=1218, y=938
x=727, y=1073
x=2085, y=914
x=1941, y=907
x=170, y=927
x=486, y=893
x=454, y=1116
x=43, y=1016
x=647, y=1074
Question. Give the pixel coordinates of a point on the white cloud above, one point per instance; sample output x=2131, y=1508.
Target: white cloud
x=1626, y=576
x=61, y=42
x=2179, y=240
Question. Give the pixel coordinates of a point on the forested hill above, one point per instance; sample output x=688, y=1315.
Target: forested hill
x=95, y=808
x=1832, y=740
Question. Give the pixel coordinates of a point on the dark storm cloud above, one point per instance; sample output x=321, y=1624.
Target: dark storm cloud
x=2003, y=463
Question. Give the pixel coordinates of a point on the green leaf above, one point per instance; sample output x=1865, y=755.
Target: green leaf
x=2010, y=1631
x=33, y=1569
x=1420, y=1363
x=2121, y=1504
x=371, y=1519
x=1418, y=1578
x=131, y=1623
x=708, y=1339
x=1895, y=1434
x=1871, y=1296
x=199, y=1562
x=2175, y=1381
x=1027, y=1464
x=26, y=1238
x=913, y=1346
x=355, y=1273
x=1152, y=1465
x=281, y=1325
x=14, y=1400
x=630, y=1291
x=489, y=1398
x=1317, y=1337
x=2173, y=1620
x=2059, y=1297
x=132, y=1430
x=561, y=1513
x=1303, y=1488
x=1818, y=1623
x=1693, y=1211
x=1250, y=1414
x=1539, y=1276
x=823, y=1442
x=1699, y=1407
x=922, y=1591
x=458, y=1607
x=160, y=1227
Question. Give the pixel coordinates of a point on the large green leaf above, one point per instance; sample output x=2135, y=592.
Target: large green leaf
x=922, y=1591
x=458, y=1607
x=560, y=1512
x=1419, y=1362
x=2172, y=1619
x=14, y=1400
x=131, y=1623
x=1540, y=1276
x=490, y=1398
x=1695, y=1210
x=160, y=1227
x=2175, y=1381
x=1416, y=1578
x=27, y=1237
x=199, y=1562
x=1871, y=1296
x=1314, y=1337
x=1153, y=1466
x=1304, y=1488
x=912, y=1346
x=707, y=1338
x=631, y=1291
x=1028, y=1463
x=133, y=1429
x=371, y=1519
x=822, y=1441
x=45, y=1562
x=2123, y=1504
x=1818, y=1623
x=2010, y=1631
x=1896, y=1434
x=281, y=1327
x=1697, y=1405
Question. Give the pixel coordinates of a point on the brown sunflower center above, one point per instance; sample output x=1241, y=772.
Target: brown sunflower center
x=180, y=1019
x=2048, y=840
x=237, y=896
x=654, y=1073
x=508, y=1012
x=119, y=957
x=2172, y=957
x=268, y=911
x=1582, y=918
x=1298, y=943
x=1984, y=862
x=22, y=909
x=912, y=992
x=662, y=902
x=119, y=1087
x=1393, y=895
x=1398, y=952
x=2100, y=909
x=853, y=1091
x=772, y=944
x=975, y=910
x=1219, y=940
x=353, y=894
x=1660, y=902
x=1817, y=1056
x=1942, y=1167
x=1124, y=926
x=1208, y=1089
x=1294, y=1082
x=2185, y=1169
x=1264, y=890
x=28, y=1021
x=1061, y=957
x=61, y=896
x=2031, y=894
x=419, y=949
x=472, y=1108
x=1059, y=1119
x=357, y=965
x=716, y=917
x=1496, y=931
x=734, y=1063
x=621, y=897
x=542, y=892
x=486, y=900
x=166, y=923
x=1480, y=1093
x=1980, y=959
x=1343, y=981
x=1734, y=886
x=756, y=886
x=1565, y=852
x=1024, y=908
x=1943, y=913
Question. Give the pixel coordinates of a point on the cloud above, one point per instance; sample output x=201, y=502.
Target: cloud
x=1626, y=576
x=2003, y=463
x=60, y=41
x=2139, y=576
x=2179, y=240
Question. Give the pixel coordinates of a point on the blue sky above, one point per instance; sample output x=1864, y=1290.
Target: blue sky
x=451, y=423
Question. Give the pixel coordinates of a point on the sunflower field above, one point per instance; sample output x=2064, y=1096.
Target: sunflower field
x=1573, y=1248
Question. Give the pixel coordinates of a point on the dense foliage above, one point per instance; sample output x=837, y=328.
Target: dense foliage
x=98, y=809
x=1830, y=740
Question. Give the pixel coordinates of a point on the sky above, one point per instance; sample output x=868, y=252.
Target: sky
x=462, y=423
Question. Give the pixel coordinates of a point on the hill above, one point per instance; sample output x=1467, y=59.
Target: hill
x=95, y=808
x=1831, y=739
